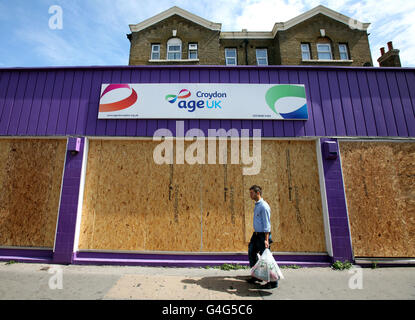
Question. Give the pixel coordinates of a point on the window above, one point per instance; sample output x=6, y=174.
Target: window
x=344, y=52
x=305, y=51
x=192, y=50
x=324, y=51
x=230, y=56
x=261, y=57
x=174, y=49
x=155, y=52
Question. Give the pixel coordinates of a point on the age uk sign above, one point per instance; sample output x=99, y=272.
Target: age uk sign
x=203, y=101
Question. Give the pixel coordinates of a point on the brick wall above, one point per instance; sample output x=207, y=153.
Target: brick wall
x=284, y=49
x=187, y=31
x=251, y=46
x=309, y=32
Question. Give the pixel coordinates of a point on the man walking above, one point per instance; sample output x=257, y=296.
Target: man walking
x=261, y=238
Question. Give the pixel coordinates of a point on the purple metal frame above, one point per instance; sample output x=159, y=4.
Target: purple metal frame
x=190, y=260
x=337, y=209
x=26, y=255
x=343, y=101
x=65, y=232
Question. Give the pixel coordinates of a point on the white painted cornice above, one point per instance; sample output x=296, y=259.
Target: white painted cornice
x=353, y=23
x=180, y=12
x=279, y=26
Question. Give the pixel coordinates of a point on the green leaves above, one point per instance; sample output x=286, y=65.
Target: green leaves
x=338, y=265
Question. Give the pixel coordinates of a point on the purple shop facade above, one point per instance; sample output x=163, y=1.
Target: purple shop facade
x=373, y=104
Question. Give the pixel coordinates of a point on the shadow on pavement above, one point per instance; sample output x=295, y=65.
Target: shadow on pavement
x=230, y=284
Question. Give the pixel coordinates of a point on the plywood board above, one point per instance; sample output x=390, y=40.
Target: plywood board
x=173, y=211
x=90, y=196
x=131, y=203
x=290, y=184
x=115, y=196
x=30, y=182
x=223, y=207
x=120, y=172
x=379, y=180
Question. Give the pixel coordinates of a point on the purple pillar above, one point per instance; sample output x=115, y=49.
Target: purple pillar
x=65, y=233
x=336, y=201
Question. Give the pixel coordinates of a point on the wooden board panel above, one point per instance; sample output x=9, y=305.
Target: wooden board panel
x=173, y=212
x=119, y=220
x=90, y=197
x=131, y=203
x=128, y=202
x=116, y=195
x=30, y=182
x=223, y=207
x=379, y=180
x=267, y=180
x=186, y=200
x=290, y=183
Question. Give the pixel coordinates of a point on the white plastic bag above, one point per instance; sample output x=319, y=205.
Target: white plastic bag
x=266, y=268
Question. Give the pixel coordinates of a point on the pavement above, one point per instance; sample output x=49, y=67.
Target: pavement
x=57, y=282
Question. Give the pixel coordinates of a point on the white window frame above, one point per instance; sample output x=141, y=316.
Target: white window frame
x=193, y=50
x=345, y=51
x=308, y=51
x=261, y=58
x=227, y=50
x=153, y=52
x=324, y=51
x=174, y=42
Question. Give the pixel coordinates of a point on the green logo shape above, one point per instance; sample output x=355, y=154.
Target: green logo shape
x=281, y=91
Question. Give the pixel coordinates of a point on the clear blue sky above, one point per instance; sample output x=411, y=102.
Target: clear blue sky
x=94, y=31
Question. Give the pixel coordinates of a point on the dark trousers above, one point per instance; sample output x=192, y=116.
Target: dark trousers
x=257, y=245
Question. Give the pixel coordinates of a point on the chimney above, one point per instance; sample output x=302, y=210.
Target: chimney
x=390, y=58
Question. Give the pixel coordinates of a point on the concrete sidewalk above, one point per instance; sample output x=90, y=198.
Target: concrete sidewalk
x=31, y=281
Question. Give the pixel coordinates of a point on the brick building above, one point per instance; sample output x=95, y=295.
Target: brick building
x=320, y=36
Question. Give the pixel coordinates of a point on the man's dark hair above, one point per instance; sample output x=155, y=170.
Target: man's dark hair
x=256, y=189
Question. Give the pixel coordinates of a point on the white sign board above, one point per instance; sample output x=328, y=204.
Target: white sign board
x=203, y=101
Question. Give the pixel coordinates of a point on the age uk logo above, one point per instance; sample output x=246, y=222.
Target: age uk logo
x=210, y=101
x=183, y=94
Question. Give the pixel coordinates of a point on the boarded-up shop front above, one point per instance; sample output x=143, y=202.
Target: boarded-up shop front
x=79, y=184
x=379, y=180
x=132, y=203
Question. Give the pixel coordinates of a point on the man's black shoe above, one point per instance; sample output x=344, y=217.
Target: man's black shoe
x=269, y=285
x=253, y=280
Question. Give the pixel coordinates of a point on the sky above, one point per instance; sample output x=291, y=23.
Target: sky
x=94, y=31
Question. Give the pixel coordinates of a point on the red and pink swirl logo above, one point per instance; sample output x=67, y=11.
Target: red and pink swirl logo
x=124, y=103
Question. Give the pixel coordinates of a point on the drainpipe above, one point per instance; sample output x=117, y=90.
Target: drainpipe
x=246, y=51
